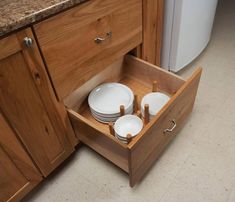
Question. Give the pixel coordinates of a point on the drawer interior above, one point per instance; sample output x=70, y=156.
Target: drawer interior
x=129, y=71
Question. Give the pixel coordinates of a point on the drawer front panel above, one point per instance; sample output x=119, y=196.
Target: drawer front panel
x=155, y=138
x=68, y=42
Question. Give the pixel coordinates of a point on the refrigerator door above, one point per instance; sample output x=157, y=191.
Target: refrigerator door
x=187, y=31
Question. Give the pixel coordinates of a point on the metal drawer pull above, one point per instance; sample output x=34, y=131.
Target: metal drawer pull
x=171, y=129
x=99, y=40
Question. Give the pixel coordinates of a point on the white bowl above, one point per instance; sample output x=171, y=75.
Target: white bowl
x=128, y=124
x=155, y=101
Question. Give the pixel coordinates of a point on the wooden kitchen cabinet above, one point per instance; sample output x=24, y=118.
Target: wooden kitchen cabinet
x=29, y=103
x=48, y=70
x=83, y=64
x=18, y=175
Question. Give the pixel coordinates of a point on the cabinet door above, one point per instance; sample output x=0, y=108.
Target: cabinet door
x=18, y=175
x=29, y=103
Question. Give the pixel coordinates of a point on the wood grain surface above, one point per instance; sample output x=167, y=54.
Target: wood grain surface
x=151, y=142
x=67, y=40
x=28, y=102
x=18, y=174
x=152, y=31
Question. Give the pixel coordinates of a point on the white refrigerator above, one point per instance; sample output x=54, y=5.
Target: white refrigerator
x=187, y=31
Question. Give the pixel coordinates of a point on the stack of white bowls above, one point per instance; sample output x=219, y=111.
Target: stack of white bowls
x=128, y=124
x=156, y=102
x=105, y=101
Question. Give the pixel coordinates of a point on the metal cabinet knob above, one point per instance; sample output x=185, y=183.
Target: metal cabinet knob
x=169, y=130
x=99, y=40
x=28, y=41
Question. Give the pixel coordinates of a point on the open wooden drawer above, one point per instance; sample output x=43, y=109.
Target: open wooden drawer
x=138, y=156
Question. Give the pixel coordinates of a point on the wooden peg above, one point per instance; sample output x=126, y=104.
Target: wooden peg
x=111, y=129
x=129, y=138
x=135, y=103
x=154, y=86
x=122, y=110
x=138, y=113
x=146, y=113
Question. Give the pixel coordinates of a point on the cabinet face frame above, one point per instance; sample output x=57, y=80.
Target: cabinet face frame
x=150, y=50
x=20, y=174
x=53, y=124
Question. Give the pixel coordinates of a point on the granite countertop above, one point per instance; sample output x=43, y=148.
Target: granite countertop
x=15, y=14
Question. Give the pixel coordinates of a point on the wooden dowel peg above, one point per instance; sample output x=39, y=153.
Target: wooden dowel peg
x=135, y=103
x=129, y=138
x=138, y=113
x=111, y=129
x=154, y=86
x=122, y=110
x=146, y=113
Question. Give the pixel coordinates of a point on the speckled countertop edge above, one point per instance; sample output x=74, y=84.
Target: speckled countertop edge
x=15, y=14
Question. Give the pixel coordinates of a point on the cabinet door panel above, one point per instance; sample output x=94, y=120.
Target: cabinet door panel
x=18, y=175
x=23, y=107
x=26, y=99
x=11, y=179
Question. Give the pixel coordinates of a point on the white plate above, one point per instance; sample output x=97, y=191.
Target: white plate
x=125, y=142
x=155, y=101
x=128, y=124
x=107, y=98
x=127, y=111
x=119, y=137
x=107, y=119
x=104, y=120
x=122, y=139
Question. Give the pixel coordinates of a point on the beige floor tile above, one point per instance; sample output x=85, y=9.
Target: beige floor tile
x=100, y=171
x=227, y=111
x=153, y=186
x=210, y=100
x=206, y=176
x=194, y=129
x=66, y=184
x=220, y=138
x=231, y=197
